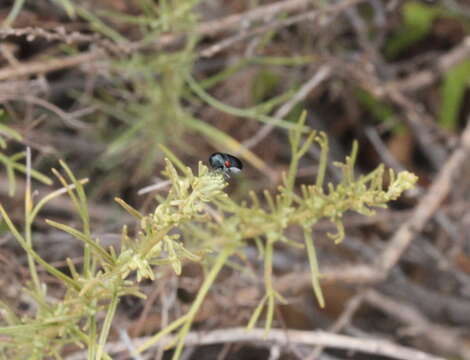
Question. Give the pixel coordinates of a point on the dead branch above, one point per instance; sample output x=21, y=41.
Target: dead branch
x=427, y=206
x=58, y=34
x=321, y=75
x=444, y=338
x=209, y=28
x=284, y=338
x=45, y=66
x=427, y=77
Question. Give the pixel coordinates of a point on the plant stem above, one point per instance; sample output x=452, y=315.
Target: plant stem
x=268, y=283
x=107, y=324
x=92, y=337
x=28, y=206
x=312, y=259
x=17, y=6
x=219, y=263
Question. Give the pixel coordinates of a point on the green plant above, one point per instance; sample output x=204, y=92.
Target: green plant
x=379, y=110
x=152, y=90
x=211, y=228
x=12, y=163
x=15, y=10
x=418, y=19
x=456, y=82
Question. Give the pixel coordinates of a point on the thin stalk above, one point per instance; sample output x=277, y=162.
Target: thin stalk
x=211, y=276
x=168, y=329
x=256, y=314
x=107, y=325
x=294, y=164
x=51, y=196
x=323, y=141
x=82, y=208
x=17, y=6
x=156, y=238
x=28, y=206
x=50, y=269
x=268, y=283
x=92, y=337
x=312, y=259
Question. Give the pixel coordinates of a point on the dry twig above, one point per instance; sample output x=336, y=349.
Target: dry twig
x=321, y=75
x=444, y=338
x=426, y=77
x=283, y=338
x=427, y=206
x=209, y=28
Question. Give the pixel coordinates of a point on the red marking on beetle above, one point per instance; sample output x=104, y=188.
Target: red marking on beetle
x=227, y=163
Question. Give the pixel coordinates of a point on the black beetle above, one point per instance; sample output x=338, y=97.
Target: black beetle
x=226, y=163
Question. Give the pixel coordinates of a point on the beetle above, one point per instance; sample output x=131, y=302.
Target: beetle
x=226, y=163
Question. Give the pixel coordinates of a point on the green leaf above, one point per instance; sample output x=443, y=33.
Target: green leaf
x=417, y=22
x=263, y=85
x=14, y=12
x=134, y=212
x=68, y=7
x=452, y=91
x=315, y=272
x=244, y=113
x=256, y=314
x=80, y=236
x=379, y=110
x=10, y=132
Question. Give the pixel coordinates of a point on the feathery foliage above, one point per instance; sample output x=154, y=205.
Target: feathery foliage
x=197, y=221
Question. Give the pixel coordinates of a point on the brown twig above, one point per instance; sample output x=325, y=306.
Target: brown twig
x=427, y=206
x=67, y=118
x=283, y=338
x=344, y=319
x=446, y=339
x=58, y=34
x=422, y=125
x=243, y=35
x=209, y=28
x=45, y=66
x=321, y=75
x=426, y=77
x=309, y=15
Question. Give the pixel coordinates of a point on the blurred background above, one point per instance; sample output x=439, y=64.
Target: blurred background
x=102, y=83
